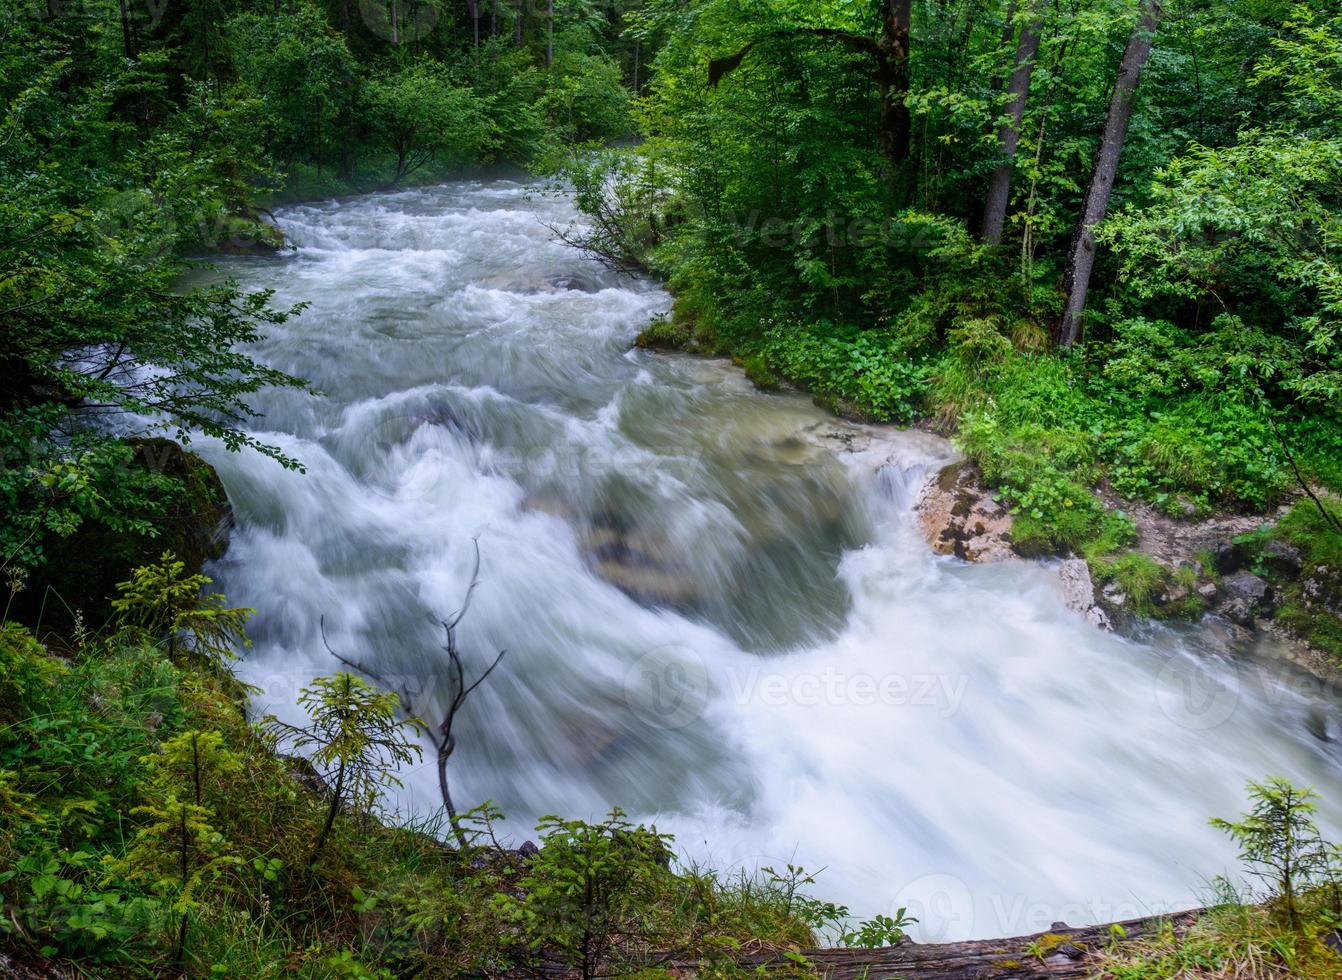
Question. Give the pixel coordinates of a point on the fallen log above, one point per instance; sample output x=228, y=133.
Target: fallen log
x=1060, y=952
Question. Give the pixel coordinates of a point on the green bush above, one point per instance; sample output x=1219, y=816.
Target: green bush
x=861, y=372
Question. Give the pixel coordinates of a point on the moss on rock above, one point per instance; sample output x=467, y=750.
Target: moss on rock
x=81, y=572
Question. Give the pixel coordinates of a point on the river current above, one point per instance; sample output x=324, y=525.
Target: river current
x=717, y=609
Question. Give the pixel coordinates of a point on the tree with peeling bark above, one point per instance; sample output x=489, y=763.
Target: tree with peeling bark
x=1081, y=256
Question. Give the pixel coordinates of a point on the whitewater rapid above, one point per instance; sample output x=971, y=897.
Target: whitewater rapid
x=717, y=611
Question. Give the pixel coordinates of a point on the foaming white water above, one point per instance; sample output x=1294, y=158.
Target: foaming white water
x=718, y=613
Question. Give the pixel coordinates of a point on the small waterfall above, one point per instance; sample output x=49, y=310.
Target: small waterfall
x=718, y=612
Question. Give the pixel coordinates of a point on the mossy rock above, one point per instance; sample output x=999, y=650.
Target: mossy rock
x=759, y=372
x=81, y=572
x=665, y=335
x=247, y=234
x=1135, y=583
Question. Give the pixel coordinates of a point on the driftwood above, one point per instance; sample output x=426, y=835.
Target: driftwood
x=1060, y=952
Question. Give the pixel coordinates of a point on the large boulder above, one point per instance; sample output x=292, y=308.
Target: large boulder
x=79, y=578
x=960, y=517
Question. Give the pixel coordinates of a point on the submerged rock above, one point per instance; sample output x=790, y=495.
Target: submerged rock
x=637, y=561
x=960, y=517
x=572, y=284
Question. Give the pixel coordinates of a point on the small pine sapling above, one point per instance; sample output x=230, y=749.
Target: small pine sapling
x=1280, y=843
x=356, y=738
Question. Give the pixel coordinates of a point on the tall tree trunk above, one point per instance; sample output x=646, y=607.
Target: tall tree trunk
x=1081, y=259
x=550, y=33
x=494, y=19
x=395, y=23
x=127, y=34
x=518, y=24
x=892, y=78
x=1008, y=137
x=638, y=51
x=475, y=18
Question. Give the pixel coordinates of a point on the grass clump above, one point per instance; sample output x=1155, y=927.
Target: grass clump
x=1152, y=589
x=665, y=334
x=1234, y=940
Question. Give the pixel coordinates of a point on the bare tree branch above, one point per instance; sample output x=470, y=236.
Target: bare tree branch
x=444, y=742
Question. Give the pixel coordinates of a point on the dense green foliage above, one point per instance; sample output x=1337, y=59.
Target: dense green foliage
x=816, y=207
x=143, y=822
x=133, y=136
x=1210, y=368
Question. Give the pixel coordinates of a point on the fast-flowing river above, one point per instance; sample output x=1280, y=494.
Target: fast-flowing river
x=717, y=609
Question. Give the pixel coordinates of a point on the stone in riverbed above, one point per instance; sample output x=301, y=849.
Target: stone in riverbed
x=1281, y=559
x=1078, y=591
x=959, y=517
x=1227, y=557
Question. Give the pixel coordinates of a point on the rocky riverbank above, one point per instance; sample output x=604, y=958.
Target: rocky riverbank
x=1258, y=573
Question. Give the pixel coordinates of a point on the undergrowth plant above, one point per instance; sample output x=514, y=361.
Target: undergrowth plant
x=356, y=739
x=167, y=603
x=1280, y=844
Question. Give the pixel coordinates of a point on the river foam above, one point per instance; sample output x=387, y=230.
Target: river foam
x=718, y=612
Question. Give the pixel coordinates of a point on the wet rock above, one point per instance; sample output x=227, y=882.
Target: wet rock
x=1114, y=596
x=637, y=561
x=571, y=283
x=1247, y=598
x=1175, y=594
x=1228, y=557
x=1078, y=591
x=651, y=586
x=959, y=517
x=1281, y=559
x=1322, y=591
x=1208, y=590
x=307, y=776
